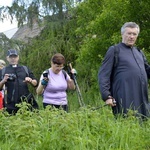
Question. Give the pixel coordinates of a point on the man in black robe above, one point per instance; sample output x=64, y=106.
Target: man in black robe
x=127, y=81
x=15, y=79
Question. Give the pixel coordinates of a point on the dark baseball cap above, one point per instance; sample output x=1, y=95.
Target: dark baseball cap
x=12, y=52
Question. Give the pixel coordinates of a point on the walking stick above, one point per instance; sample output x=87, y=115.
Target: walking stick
x=80, y=98
x=99, y=107
x=114, y=102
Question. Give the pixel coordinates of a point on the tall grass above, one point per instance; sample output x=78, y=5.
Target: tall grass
x=80, y=129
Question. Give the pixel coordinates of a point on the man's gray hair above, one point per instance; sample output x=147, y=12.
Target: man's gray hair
x=130, y=25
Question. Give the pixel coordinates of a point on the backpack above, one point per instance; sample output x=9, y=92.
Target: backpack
x=25, y=68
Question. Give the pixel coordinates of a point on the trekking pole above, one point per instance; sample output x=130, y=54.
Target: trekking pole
x=80, y=98
x=99, y=107
x=114, y=102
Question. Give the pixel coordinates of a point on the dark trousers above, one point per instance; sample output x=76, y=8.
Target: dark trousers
x=11, y=111
x=64, y=107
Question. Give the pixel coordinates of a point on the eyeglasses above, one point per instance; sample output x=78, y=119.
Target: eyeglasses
x=59, y=66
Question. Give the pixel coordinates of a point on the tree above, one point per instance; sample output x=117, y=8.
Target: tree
x=54, y=15
x=27, y=11
x=99, y=24
x=82, y=33
x=6, y=43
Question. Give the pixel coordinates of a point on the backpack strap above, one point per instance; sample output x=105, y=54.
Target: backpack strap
x=143, y=55
x=26, y=70
x=116, y=53
x=3, y=71
x=65, y=73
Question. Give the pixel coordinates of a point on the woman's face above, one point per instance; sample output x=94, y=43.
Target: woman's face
x=57, y=68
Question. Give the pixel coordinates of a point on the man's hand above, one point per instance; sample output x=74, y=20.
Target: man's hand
x=6, y=76
x=31, y=81
x=111, y=101
x=28, y=79
x=2, y=82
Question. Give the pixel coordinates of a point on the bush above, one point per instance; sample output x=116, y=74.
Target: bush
x=83, y=129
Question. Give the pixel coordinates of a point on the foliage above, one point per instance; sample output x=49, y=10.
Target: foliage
x=82, y=33
x=84, y=129
x=99, y=24
x=28, y=11
x=6, y=43
x=141, y=15
x=54, y=38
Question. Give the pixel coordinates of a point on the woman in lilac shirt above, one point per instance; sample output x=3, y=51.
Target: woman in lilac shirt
x=54, y=82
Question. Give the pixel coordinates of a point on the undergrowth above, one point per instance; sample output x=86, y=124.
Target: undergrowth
x=82, y=129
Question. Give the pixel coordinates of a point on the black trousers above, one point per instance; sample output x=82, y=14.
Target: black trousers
x=64, y=107
x=12, y=111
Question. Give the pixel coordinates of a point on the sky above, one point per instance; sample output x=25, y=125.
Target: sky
x=6, y=25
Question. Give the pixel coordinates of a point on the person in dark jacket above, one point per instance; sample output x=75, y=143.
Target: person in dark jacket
x=16, y=79
x=127, y=82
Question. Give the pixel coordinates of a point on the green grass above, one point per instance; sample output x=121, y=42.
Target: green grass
x=80, y=129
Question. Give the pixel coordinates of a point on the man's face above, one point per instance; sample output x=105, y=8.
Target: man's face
x=13, y=59
x=129, y=36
